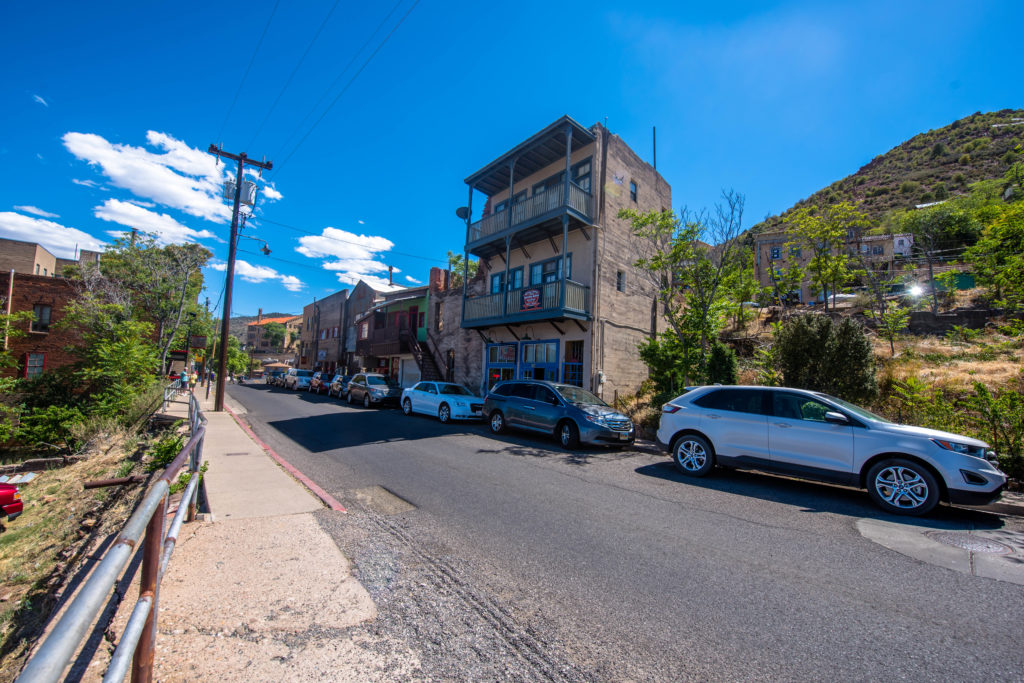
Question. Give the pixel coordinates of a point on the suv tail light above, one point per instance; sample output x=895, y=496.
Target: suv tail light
x=669, y=408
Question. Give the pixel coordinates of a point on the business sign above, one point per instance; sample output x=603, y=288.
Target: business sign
x=198, y=341
x=177, y=355
x=321, y=354
x=531, y=299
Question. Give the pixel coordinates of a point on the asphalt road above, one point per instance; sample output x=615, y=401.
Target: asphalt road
x=508, y=558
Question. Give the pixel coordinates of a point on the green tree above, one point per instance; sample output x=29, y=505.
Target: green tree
x=936, y=229
x=741, y=286
x=685, y=273
x=891, y=322
x=998, y=257
x=814, y=352
x=458, y=265
x=826, y=231
x=273, y=334
x=721, y=364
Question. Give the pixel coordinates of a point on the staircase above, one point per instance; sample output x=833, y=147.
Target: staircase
x=429, y=371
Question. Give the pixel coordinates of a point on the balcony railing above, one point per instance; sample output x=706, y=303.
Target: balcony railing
x=549, y=305
x=533, y=209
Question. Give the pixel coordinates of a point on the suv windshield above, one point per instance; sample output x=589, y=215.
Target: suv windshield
x=577, y=395
x=303, y=373
x=856, y=410
x=378, y=381
x=456, y=389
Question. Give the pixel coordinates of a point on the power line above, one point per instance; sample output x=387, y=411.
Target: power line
x=294, y=71
x=247, y=69
x=347, y=85
x=337, y=78
x=344, y=241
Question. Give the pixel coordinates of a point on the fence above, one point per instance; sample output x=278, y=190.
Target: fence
x=136, y=647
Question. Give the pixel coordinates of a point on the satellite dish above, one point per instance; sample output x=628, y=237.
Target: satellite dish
x=462, y=212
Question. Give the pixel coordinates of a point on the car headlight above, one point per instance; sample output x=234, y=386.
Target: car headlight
x=954, y=446
x=461, y=404
x=596, y=419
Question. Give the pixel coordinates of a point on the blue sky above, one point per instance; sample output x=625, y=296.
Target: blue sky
x=108, y=109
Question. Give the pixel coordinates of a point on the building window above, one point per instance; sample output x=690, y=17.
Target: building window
x=620, y=282
x=37, y=269
x=550, y=270
x=572, y=373
x=364, y=329
x=632, y=190
x=795, y=252
x=776, y=252
x=877, y=250
x=40, y=318
x=515, y=280
x=34, y=364
x=439, y=316
x=581, y=175
x=422, y=322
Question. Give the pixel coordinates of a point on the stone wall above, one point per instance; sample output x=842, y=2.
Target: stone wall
x=444, y=331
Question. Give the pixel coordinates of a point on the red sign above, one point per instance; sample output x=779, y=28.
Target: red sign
x=531, y=299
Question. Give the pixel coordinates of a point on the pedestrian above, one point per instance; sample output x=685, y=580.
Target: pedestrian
x=192, y=379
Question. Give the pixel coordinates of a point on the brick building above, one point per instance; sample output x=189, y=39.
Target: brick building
x=322, y=333
x=42, y=346
x=560, y=297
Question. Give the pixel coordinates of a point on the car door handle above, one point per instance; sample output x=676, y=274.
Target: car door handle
x=714, y=417
x=529, y=408
x=783, y=425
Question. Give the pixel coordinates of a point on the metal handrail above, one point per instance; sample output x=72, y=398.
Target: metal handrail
x=139, y=638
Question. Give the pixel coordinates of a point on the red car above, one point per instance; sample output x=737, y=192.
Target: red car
x=10, y=501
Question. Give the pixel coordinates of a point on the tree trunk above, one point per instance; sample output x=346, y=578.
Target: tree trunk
x=931, y=277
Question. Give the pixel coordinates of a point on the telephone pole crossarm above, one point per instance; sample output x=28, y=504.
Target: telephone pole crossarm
x=222, y=360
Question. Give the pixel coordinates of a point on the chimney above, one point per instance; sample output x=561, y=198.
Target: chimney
x=391, y=274
x=259, y=316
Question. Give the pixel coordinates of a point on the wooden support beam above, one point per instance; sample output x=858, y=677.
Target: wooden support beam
x=553, y=245
x=579, y=325
x=502, y=257
x=585, y=233
x=522, y=248
x=557, y=328
x=512, y=332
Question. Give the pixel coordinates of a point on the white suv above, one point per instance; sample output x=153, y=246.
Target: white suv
x=297, y=379
x=906, y=470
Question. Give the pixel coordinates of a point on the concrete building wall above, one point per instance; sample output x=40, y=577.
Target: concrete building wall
x=622, y=319
x=26, y=257
x=30, y=290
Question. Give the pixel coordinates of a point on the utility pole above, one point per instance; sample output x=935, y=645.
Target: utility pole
x=222, y=361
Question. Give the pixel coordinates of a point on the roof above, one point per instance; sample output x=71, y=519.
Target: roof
x=385, y=304
x=531, y=155
x=282, y=320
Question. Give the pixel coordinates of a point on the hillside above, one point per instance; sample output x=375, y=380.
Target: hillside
x=927, y=167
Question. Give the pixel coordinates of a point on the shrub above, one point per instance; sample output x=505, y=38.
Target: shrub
x=965, y=159
x=166, y=449
x=721, y=364
x=940, y=191
x=813, y=352
x=53, y=425
x=938, y=150
x=909, y=187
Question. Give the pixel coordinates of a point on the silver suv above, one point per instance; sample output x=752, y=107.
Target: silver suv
x=906, y=470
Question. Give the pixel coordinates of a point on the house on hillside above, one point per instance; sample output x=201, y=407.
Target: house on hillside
x=40, y=344
x=558, y=296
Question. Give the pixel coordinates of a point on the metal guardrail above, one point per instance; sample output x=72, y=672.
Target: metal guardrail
x=136, y=647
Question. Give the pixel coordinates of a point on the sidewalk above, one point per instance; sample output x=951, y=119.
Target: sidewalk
x=255, y=590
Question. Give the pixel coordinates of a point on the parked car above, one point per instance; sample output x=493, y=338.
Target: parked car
x=319, y=382
x=573, y=415
x=445, y=400
x=10, y=501
x=905, y=469
x=274, y=377
x=297, y=379
x=371, y=388
x=339, y=385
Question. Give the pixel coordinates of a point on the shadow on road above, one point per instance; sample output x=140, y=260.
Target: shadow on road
x=816, y=497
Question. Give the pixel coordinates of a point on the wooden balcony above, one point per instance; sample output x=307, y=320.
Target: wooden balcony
x=531, y=219
x=528, y=304
x=387, y=341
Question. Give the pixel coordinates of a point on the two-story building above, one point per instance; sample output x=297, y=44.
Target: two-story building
x=562, y=298
x=321, y=337
x=30, y=258
x=260, y=345
x=775, y=251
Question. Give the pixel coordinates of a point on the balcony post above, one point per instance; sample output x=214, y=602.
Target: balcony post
x=565, y=216
x=465, y=251
x=511, y=189
x=504, y=285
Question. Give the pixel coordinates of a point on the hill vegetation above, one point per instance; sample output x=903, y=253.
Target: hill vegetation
x=929, y=167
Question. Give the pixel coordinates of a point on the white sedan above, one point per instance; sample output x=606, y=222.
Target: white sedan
x=445, y=400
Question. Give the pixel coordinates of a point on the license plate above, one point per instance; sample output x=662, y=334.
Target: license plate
x=623, y=437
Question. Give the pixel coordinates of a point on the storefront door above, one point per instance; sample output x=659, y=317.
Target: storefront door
x=501, y=363
x=539, y=360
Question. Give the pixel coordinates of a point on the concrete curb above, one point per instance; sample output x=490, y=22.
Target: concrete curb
x=327, y=498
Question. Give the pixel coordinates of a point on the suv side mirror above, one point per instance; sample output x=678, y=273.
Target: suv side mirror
x=836, y=418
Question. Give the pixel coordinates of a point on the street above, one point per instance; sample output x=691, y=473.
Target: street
x=509, y=558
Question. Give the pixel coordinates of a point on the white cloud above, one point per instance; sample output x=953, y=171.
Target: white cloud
x=251, y=273
x=362, y=222
x=60, y=240
x=85, y=183
x=165, y=229
x=357, y=257
x=271, y=193
x=36, y=211
x=379, y=283
x=410, y=278
x=40, y=100
x=181, y=177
